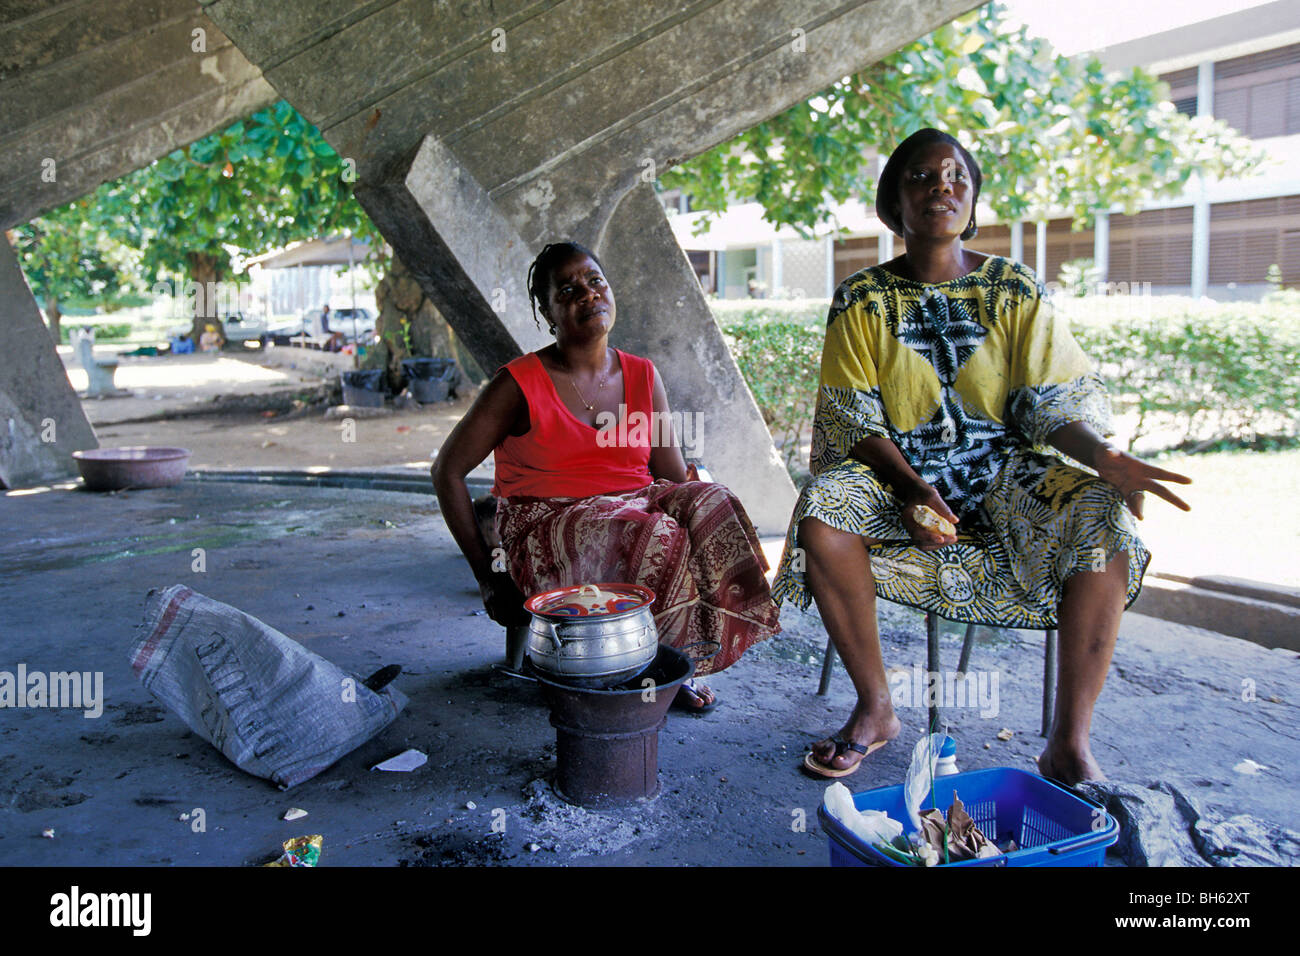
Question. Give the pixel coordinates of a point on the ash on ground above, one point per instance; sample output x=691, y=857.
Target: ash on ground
x=572, y=831
x=459, y=849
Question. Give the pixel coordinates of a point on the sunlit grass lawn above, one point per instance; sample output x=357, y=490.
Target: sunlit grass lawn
x=1244, y=522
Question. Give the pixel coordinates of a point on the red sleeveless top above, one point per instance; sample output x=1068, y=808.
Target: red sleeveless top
x=562, y=457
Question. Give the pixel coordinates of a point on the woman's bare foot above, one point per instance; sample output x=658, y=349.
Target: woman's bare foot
x=1069, y=764
x=864, y=728
x=693, y=696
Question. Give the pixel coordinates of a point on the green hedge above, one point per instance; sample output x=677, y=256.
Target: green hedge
x=731, y=312
x=780, y=361
x=1212, y=372
x=103, y=332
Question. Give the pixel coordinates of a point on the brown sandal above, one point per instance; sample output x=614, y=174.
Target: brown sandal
x=816, y=767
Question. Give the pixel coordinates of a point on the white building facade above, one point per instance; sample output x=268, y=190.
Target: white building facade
x=1218, y=239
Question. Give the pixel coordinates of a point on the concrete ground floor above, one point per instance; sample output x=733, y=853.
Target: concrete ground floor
x=367, y=578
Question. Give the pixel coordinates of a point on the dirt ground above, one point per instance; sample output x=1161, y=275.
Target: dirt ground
x=365, y=579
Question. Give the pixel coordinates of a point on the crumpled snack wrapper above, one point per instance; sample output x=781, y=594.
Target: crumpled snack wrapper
x=300, y=851
x=932, y=828
x=965, y=841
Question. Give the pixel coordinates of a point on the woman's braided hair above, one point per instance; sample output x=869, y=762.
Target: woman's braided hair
x=552, y=256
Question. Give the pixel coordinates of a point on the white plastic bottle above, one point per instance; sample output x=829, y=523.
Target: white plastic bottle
x=947, y=762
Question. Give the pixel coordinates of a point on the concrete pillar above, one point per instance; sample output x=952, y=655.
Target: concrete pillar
x=41, y=421
x=662, y=314
x=778, y=273
x=476, y=279
x=1201, y=205
x=1040, y=250
x=830, y=266
x=885, y=246
x=1101, y=246
x=1018, y=241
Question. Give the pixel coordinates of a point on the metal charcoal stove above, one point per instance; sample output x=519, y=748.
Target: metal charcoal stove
x=607, y=740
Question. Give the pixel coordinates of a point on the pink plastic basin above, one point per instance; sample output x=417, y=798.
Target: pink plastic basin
x=112, y=469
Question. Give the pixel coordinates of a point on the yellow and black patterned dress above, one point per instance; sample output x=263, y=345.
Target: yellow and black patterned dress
x=968, y=378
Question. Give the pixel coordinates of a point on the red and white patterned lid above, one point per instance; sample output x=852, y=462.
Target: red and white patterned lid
x=590, y=600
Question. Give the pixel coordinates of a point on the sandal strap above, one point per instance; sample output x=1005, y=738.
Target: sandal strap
x=842, y=745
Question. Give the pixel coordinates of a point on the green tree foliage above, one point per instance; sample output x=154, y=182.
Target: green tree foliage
x=261, y=183
x=1050, y=133
x=68, y=259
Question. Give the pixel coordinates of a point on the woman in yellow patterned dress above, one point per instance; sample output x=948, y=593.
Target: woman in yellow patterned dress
x=945, y=377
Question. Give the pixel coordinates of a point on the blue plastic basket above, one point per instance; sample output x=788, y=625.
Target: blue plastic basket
x=1051, y=825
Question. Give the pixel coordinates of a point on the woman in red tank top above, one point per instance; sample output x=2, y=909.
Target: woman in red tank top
x=591, y=484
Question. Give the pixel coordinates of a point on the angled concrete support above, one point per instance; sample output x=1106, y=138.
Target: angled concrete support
x=472, y=263
x=41, y=421
x=463, y=251
x=662, y=313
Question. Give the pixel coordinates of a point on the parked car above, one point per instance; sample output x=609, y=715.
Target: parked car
x=309, y=326
x=281, y=334
x=241, y=328
x=341, y=321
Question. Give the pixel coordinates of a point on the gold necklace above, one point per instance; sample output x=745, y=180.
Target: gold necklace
x=583, y=398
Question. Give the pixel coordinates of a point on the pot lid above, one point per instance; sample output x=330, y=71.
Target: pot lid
x=590, y=600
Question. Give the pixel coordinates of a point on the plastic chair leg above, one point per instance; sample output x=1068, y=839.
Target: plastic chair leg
x=828, y=666
x=516, y=643
x=1049, y=680
x=933, y=664
x=966, y=645
x=932, y=661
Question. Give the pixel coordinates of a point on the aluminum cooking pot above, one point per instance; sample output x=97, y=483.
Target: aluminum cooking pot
x=596, y=635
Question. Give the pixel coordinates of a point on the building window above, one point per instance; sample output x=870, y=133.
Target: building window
x=1259, y=94
x=1248, y=237
x=1153, y=246
x=1182, y=89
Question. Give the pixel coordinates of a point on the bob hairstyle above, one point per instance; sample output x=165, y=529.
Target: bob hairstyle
x=887, y=205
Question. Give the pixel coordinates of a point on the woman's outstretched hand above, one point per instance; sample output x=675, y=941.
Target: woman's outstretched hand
x=1133, y=477
x=927, y=539
x=503, y=600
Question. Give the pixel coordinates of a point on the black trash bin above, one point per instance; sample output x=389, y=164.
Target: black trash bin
x=364, y=388
x=429, y=379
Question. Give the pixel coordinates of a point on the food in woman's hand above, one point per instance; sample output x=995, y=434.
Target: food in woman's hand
x=931, y=520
